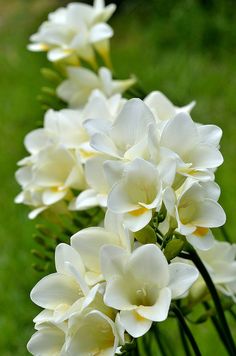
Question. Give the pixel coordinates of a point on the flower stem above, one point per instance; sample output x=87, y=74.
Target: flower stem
x=217, y=327
x=192, y=255
x=159, y=341
x=184, y=340
x=186, y=329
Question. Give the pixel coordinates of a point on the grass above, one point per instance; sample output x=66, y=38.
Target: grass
x=180, y=48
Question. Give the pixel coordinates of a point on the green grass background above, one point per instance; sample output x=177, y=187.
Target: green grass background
x=184, y=48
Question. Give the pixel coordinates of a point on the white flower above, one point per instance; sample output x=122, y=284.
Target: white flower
x=96, y=194
x=88, y=243
x=92, y=334
x=162, y=107
x=220, y=261
x=59, y=151
x=84, y=326
x=142, y=284
x=196, y=155
x=137, y=194
x=123, y=139
x=81, y=82
x=196, y=211
x=58, y=291
x=49, y=338
x=77, y=30
x=49, y=176
x=64, y=127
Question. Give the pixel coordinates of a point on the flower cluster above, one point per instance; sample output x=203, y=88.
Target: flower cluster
x=75, y=32
x=149, y=166
x=106, y=286
x=127, y=156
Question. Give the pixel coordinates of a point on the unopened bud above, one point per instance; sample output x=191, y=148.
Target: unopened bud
x=146, y=235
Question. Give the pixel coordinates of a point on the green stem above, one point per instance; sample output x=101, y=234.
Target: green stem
x=192, y=255
x=184, y=340
x=233, y=314
x=217, y=326
x=159, y=341
x=141, y=346
x=186, y=329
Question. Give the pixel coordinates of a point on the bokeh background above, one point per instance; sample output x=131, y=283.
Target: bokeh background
x=185, y=48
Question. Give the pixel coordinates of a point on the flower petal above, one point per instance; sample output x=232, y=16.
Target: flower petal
x=134, y=324
x=55, y=289
x=182, y=276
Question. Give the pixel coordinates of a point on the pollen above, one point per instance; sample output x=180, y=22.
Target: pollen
x=201, y=231
x=138, y=212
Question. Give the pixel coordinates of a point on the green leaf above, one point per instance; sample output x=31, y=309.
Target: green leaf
x=173, y=248
x=146, y=235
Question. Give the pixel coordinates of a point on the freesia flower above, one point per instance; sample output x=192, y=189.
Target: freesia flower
x=137, y=194
x=89, y=241
x=92, y=334
x=76, y=30
x=97, y=192
x=196, y=211
x=123, y=138
x=220, y=261
x=142, y=284
x=72, y=310
x=162, y=107
x=49, y=176
x=49, y=339
x=81, y=82
x=58, y=291
x=197, y=157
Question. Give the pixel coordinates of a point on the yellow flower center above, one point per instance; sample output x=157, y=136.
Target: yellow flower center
x=138, y=212
x=201, y=231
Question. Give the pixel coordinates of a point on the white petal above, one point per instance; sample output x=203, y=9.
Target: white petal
x=112, y=260
x=158, y=311
x=187, y=136
x=118, y=200
x=210, y=134
x=95, y=174
x=135, y=325
x=47, y=341
x=136, y=223
x=88, y=243
x=65, y=253
x=34, y=213
x=160, y=105
x=55, y=289
x=149, y=264
x=117, y=294
x=56, y=54
x=36, y=140
x=87, y=199
x=99, y=32
x=50, y=196
x=102, y=143
x=131, y=124
x=205, y=156
x=209, y=214
x=201, y=242
x=182, y=276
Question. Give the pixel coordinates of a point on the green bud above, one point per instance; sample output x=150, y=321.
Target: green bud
x=49, y=91
x=173, y=248
x=146, y=235
x=51, y=75
x=162, y=214
x=40, y=255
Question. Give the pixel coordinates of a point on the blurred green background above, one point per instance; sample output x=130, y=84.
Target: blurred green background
x=184, y=48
